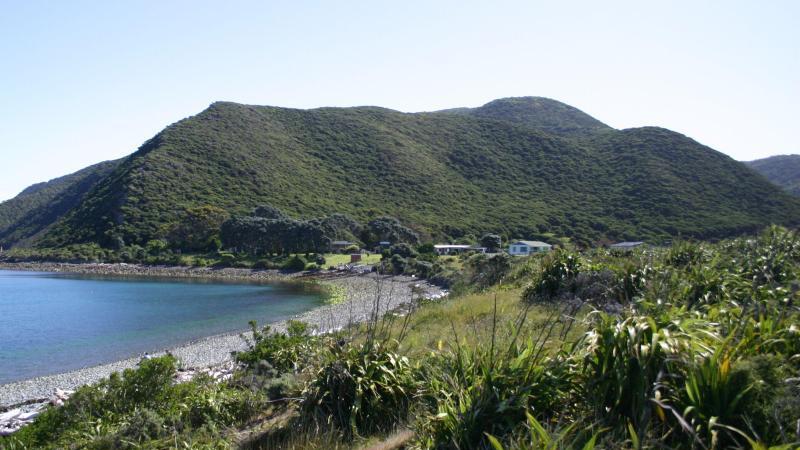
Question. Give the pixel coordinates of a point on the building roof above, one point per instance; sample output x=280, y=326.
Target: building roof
x=452, y=246
x=532, y=243
x=341, y=243
x=630, y=244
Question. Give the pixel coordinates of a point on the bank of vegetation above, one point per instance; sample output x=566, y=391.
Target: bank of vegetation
x=694, y=346
x=520, y=167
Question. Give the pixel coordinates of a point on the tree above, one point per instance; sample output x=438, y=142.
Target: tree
x=257, y=235
x=388, y=229
x=156, y=246
x=268, y=212
x=492, y=242
x=340, y=227
x=198, y=228
x=404, y=250
x=426, y=249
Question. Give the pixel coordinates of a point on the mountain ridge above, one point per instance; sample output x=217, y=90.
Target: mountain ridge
x=523, y=166
x=782, y=170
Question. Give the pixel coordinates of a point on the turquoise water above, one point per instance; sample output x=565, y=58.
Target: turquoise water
x=51, y=323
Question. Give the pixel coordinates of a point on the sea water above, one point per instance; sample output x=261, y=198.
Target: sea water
x=53, y=323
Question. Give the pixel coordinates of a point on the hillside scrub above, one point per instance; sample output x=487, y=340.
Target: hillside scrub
x=691, y=347
x=514, y=167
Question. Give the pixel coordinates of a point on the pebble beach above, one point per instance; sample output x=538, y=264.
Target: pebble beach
x=365, y=295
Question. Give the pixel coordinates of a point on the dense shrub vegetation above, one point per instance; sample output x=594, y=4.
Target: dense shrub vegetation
x=783, y=170
x=696, y=346
x=516, y=167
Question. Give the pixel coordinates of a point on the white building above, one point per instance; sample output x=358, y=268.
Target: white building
x=525, y=248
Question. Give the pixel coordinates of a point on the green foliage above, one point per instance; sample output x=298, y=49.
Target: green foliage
x=360, y=389
x=404, y=250
x=276, y=353
x=622, y=365
x=341, y=227
x=540, y=113
x=257, y=236
x=41, y=204
x=557, y=270
x=426, y=249
x=398, y=264
x=197, y=229
x=388, y=229
x=268, y=212
x=540, y=438
x=547, y=175
x=485, y=271
x=783, y=170
x=492, y=242
x=295, y=264
x=475, y=392
x=714, y=392
x=142, y=407
x=698, y=347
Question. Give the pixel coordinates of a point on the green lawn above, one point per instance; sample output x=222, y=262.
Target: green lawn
x=335, y=259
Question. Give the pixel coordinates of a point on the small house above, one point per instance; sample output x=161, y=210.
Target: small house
x=626, y=246
x=525, y=248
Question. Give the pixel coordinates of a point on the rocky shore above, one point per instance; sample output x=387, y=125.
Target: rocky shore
x=365, y=296
x=138, y=270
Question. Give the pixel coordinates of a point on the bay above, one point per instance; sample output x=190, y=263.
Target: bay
x=56, y=322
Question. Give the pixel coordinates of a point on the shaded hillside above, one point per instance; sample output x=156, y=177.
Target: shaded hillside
x=41, y=204
x=783, y=170
x=446, y=174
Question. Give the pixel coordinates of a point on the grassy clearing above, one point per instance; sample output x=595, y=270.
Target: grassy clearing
x=471, y=320
x=336, y=259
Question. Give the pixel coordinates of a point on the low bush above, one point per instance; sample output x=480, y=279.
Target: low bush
x=142, y=407
x=265, y=264
x=295, y=264
x=556, y=271
x=273, y=353
x=360, y=389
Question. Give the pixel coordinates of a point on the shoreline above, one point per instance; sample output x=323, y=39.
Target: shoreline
x=139, y=270
x=361, y=292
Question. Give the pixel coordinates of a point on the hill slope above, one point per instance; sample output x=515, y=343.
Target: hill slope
x=540, y=113
x=41, y=204
x=783, y=170
x=511, y=166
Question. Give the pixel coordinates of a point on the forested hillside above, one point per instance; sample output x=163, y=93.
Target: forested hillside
x=41, y=204
x=783, y=170
x=521, y=167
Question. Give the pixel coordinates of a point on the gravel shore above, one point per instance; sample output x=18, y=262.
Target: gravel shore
x=138, y=270
x=361, y=293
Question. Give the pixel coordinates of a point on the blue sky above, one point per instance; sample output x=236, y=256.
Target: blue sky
x=82, y=82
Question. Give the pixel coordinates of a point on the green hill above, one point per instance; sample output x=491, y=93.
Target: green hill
x=523, y=167
x=783, y=170
x=40, y=205
x=541, y=113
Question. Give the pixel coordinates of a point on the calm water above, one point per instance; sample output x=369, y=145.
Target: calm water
x=51, y=323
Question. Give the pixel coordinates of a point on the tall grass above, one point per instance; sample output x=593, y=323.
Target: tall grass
x=693, y=347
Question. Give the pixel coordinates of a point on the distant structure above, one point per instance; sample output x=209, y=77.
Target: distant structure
x=355, y=257
x=525, y=248
x=382, y=245
x=454, y=249
x=626, y=245
x=338, y=246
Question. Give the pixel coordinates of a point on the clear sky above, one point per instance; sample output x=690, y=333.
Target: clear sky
x=82, y=82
